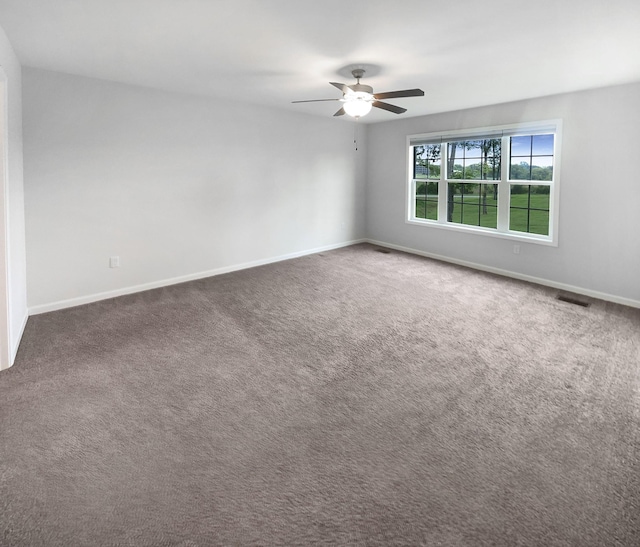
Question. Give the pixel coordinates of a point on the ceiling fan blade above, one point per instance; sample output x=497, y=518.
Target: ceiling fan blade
x=340, y=112
x=399, y=94
x=342, y=87
x=390, y=107
x=315, y=101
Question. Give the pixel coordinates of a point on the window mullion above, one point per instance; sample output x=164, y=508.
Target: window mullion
x=442, y=185
x=503, y=187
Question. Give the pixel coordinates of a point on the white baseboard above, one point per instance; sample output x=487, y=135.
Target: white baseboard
x=515, y=275
x=79, y=301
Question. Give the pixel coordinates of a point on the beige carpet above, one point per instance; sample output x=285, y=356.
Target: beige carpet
x=345, y=398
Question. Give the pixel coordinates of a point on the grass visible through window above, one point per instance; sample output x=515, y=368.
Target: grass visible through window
x=529, y=210
x=473, y=204
x=427, y=200
x=528, y=214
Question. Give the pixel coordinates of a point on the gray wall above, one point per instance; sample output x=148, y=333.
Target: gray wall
x=17, y=294
x=598, y=248
x=178, y=185
x=175, y=185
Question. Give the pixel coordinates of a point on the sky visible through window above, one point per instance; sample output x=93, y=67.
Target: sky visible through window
x=531, y=153
x=533, y=149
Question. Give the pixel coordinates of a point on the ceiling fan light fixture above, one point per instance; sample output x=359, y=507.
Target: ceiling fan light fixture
x=358, y=99
x=357, y=104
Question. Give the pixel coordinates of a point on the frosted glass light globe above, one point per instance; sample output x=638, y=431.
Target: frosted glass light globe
x=357, y=104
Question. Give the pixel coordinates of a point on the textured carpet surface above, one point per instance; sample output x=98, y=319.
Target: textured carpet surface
x=345, y=398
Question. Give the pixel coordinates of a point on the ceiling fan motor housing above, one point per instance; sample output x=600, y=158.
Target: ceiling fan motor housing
x=358, y=87
x=361, y=88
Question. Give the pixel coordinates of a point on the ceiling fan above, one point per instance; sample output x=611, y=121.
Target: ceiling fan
x=359, y=98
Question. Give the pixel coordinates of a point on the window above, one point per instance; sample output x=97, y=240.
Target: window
x=499, y=181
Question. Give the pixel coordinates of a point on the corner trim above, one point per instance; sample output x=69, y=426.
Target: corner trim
x=18, y=338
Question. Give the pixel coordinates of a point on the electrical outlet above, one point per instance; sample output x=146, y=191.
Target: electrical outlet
x=114, y=262
x=516, y=249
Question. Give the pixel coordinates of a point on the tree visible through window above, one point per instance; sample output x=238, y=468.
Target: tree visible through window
x=426, y=172
x=465, y=182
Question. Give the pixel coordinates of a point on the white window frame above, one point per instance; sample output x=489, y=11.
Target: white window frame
x=504, y=184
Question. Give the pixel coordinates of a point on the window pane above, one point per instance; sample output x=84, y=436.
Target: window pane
x=473, y=204
x=491, y=169
x=529, y=209
x=472, y=169
x=456, y=149
x=537, y=163
x=521, y=146
x=427, y=209
x=520, y=170
x=491, y=157
x=542, y=145
x=472, y=149
x=461, y=156
x=427, y=200
x=542, y=168
x=455, y=171
x=475, y=160
x=426, y=161
x=492, y=148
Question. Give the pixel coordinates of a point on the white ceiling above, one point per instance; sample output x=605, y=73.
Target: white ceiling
x=462, y=53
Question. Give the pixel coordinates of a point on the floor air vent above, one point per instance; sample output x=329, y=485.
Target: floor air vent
x=573, y=299
x=384, y=251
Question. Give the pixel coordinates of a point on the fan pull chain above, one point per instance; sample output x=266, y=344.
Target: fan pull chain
x=355, y=135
